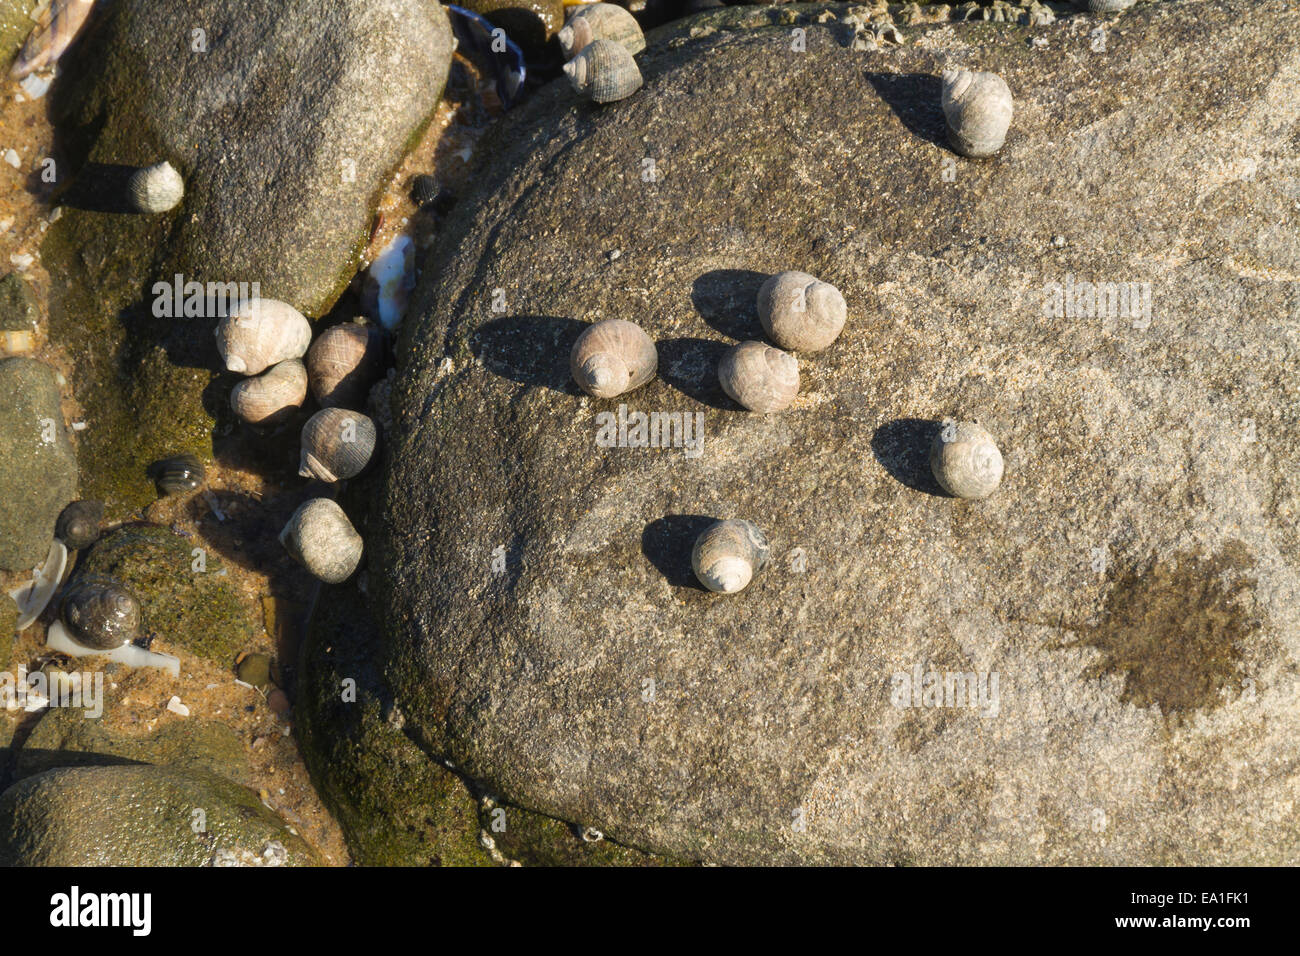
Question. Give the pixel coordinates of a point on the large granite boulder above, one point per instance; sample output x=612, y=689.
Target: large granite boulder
x=1133, y=587
x=285, y=119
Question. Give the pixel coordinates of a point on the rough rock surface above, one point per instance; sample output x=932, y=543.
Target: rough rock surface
x=284, y=136
x=1133, y=583
x=140, y=816
x=38, y=470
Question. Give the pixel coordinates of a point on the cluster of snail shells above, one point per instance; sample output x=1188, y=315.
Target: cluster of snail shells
x=337, y=444
x=801, y=313
x=612, y=357
x=978, y=109
x=727, y=555
x=599, y=42
x=320, y=537
x=101, y=613
x=965, y=460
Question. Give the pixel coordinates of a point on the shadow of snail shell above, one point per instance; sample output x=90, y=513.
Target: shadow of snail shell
x=271, y=398
x=79, y=523
x=978, y=109
x=101, y=613
x=966, y=461
x=343, y=362
x=600, y=21
x=178, y=475
x=761, y=378
x=156, y=188
x=728, y=554
x=262, y=333
x=320, y=537
x=604, y=72
x=336, y=445
x=613, y=357
x=800, y=312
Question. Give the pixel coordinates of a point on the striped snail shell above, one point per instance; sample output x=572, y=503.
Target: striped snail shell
x=101, y=613
x=336, y=445
x=728, y=554
x=978, y=108
x=761, y=378
x=177, y=475
x=320, y=537
x=604, y=72
x=343, y=362
x=156, y=188
x=56, y=30
x=800, y=312
x=1105, y=6
x=965, y=460
x=271, y=398
x=262, y=333
x=613, y=357
x=600, y=21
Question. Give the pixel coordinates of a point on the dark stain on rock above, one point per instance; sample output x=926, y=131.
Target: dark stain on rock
x=1176, y=630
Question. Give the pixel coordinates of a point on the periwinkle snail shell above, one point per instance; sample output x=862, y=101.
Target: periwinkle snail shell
x=978, y=109
x=78, y=525
x=604, y=72
x=336, y=445
x=101, y=613
x=600, y=21
x=728, y=554
x=177, y=475
x=272, y=397
x=761, y=378
x=613, y=357
x=1105, y=6
x=966, y=461
x=320, y=537
x=262, y=333
x=800, y=312
x=156, y=188
x=343, y=362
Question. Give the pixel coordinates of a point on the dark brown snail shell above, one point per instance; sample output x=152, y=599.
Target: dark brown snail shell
x=79, y=524
x=101, y=613
x=178, y=475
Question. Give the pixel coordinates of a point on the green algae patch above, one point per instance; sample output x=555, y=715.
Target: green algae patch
x=188, y=599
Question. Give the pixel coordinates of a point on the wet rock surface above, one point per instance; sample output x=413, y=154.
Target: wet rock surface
x=1132, y=584
x=38, y=470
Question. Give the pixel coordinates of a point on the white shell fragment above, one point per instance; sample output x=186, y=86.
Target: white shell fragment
x=58, y=639
x=966, y=461
x=393, y=276
x=34, y=597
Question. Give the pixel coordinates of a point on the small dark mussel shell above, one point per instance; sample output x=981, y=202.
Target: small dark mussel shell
x=79, y=524
x=177, y=476
x=424, y=190
x=101, y=613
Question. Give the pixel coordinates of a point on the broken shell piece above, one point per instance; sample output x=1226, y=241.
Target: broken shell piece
x=390, y=281
x=58, y=639
x=54, y=33
x=34, y=597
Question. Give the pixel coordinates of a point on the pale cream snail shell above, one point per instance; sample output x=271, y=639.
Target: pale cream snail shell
x=966, y=461
x=600, y=21
x=604, y=72
x=613, y=357
x=320, y=537
x=800, y=312
x=272, y=397
x=156, y=188
x=262, y=333
x=343, y=362
x=1105, y=6
x=336, y=445
x=728, y=554
x=978, y=108
x=761, y=378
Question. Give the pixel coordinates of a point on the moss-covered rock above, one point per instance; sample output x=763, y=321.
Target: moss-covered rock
x=284, y=136
x=38, y=470
x=18, y=308
x=141, y=816
x=65, y=738
x=8, y=627
x=198, y=610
